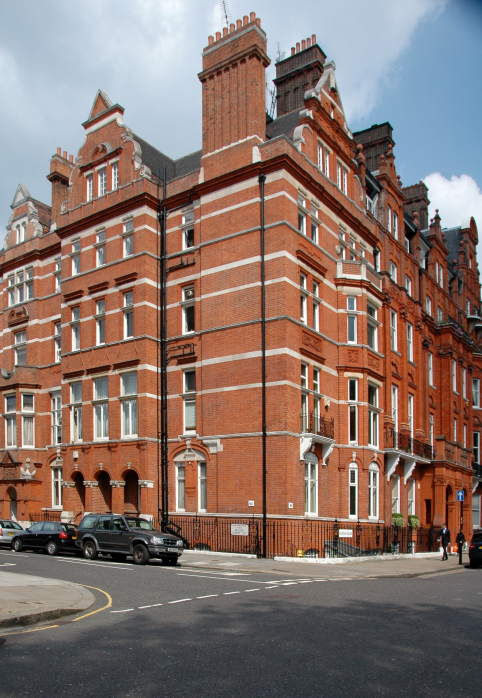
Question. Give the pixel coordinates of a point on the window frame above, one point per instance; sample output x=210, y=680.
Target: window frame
x=353, y=491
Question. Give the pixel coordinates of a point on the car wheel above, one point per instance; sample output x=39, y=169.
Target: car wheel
x=17, y=545
x=119, y=557
x=140, y=554
x=51, y=547
x=89, y=551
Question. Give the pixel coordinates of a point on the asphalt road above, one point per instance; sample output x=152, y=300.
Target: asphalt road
x=195, y=631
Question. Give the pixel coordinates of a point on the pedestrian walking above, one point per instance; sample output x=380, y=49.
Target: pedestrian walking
x=444, y=540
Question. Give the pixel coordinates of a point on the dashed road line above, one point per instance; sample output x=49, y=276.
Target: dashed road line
x=207, y=596
x=229, y=593
x=151, y=605
x=123, y=610
x=246, y=591
x=179, y=601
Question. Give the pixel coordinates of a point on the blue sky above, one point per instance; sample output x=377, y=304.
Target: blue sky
x=414, y=63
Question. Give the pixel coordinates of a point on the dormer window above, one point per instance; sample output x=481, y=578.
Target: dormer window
x=20, y=231
x=102, y=181
x=115, y=176
x=89, y=183
x=342, y=178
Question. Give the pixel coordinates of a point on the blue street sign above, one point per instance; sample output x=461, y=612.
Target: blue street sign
x=460, y=495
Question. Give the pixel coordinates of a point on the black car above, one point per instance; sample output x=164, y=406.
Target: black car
x=52, y=536
x=121, y=535
x=475, y=549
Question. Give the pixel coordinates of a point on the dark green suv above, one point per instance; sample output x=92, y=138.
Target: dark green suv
x=123, y=535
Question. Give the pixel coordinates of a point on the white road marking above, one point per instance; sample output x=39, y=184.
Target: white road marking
x=275, y=586
x=288, y=584
x=228, y=593
x=151, y=605
x=15, y=555
x=179, y=600
x=105, y=565
x=225, y=579
x=124, y=610
x=207, y=596
x=8, y=564
x=191, y=569
x=246, y=591
x=305, y=581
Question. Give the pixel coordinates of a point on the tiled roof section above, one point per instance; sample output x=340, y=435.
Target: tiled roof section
x=188, y=163
x=157, y=162
x=452, y=240
x=284, y=125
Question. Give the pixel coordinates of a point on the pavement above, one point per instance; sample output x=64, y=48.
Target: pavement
x=26, y=599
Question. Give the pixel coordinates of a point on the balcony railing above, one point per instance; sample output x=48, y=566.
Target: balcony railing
x=402, y=441
x=313, y=423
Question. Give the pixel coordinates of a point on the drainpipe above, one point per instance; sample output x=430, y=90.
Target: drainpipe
x=261, y=181
x=164, y=504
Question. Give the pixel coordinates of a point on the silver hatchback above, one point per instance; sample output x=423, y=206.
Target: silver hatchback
x=8, y=529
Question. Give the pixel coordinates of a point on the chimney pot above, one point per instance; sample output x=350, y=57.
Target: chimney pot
x=258, y=21
x=239, y=24
x=252, y=16
x=313, y=38
x=59, y=151
x=308, y=42
x=231, y=27
x=210, y=39
x=71, y=158
x=303, y=44
x=64, y=155
x=245, y=19
x=297, y=47
x=225, y=31
x=292, y=50
x=218, y=36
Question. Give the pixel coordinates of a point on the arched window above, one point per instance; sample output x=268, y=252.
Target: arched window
x=56, y=486
x=180, y=480
x=353, y=490
x=395, y=494
x=373, y=493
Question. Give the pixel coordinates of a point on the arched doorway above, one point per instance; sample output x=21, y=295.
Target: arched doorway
x=12, y=502
x=105, y=491
x=449, y=508
x=78, y=480
x=131, y=492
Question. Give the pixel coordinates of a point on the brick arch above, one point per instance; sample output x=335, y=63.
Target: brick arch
x=103, y=498
x=78, y=490
x=131, y=491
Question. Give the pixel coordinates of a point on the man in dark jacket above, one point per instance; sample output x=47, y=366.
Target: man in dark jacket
x=444, y=540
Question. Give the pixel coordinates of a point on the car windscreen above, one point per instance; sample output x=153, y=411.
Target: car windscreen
x=137, y=522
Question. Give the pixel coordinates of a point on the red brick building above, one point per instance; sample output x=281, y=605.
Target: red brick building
x=322, y=336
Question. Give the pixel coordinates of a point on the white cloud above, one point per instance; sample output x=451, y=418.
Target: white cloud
x=457, y=199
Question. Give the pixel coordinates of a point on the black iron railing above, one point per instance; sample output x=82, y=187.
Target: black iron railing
x=315, y=424
x=402, y=441
x=301, y=537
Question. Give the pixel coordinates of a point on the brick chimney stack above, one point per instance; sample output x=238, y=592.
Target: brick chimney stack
x=233, y=84
x=61, y=166
x=297, y=74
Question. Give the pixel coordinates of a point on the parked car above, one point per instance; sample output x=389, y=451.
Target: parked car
x=475, y=549
x=121, y=535
x=8, y=528
x=52, y=536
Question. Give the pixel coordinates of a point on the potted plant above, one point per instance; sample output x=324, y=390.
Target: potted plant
x=397, y=520
x=413, y=521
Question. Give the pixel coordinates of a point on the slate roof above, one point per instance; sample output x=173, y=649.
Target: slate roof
x=284, y=125
x=157, y=162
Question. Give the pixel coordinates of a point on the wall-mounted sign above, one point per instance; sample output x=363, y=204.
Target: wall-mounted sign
x=239, y=529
